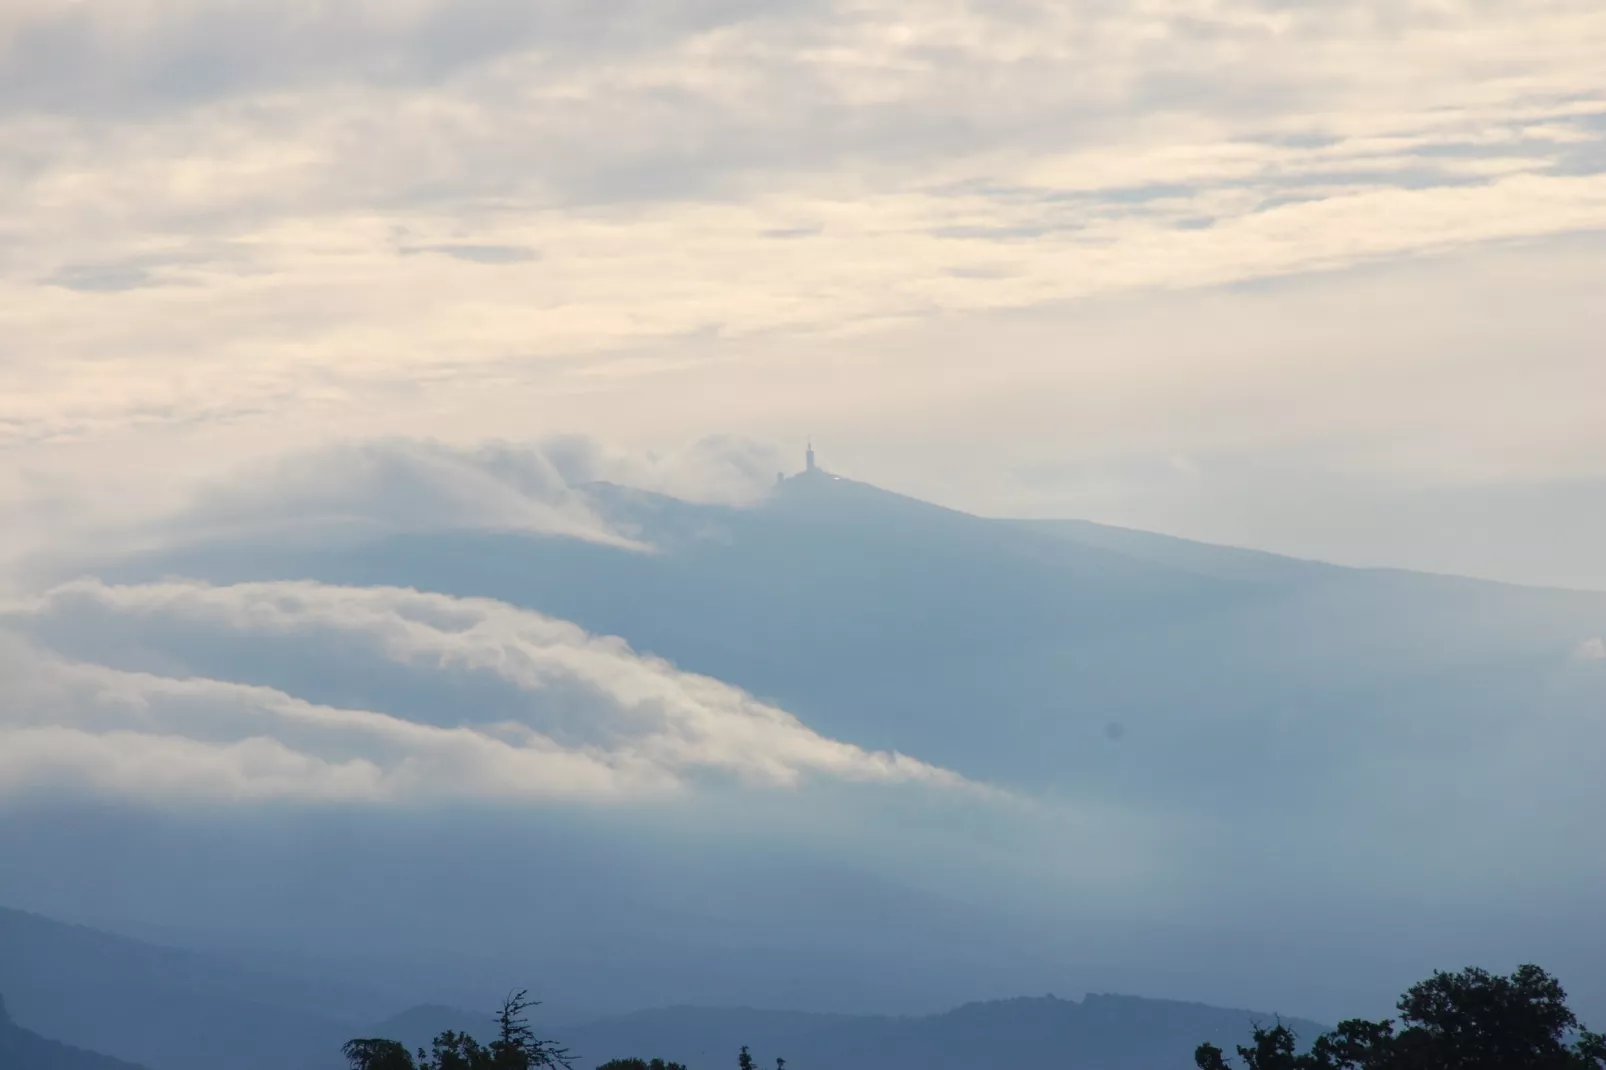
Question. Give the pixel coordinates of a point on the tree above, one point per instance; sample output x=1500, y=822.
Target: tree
x=1472, y=1020
x=745, y=1061
x=515, y=1048
x=375, y=1054
x=639, y=1064
x=1270, y=1049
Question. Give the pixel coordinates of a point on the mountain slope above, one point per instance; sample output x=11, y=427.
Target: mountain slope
x=21, y=1049
x=187, y=1011
x=168, y=1009
x=1004, y=649
x=1100, y=1032
x=1396, y=766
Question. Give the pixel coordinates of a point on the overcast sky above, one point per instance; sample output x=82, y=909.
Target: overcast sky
x=1318, y=277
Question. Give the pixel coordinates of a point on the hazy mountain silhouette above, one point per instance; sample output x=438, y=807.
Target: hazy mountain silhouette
x=22, y=1049
x=1001, y=648
x=184, y=1011
x=1415, y=739
x=1100, y=1032
x=164, y=1008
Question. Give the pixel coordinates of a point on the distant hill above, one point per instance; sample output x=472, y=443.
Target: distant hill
x=21, y=1049
x=1101, y=1032
x=174, y=1010
x=165, y=1008
x=417, y=1026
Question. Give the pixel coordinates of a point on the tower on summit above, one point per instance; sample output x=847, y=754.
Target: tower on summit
x=808, y=458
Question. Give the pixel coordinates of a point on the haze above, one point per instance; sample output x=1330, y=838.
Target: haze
x=413, y=577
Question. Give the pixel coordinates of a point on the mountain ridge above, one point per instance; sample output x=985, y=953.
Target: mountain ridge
x=703, y=1036
x=134, y=999
x=23, y=1049
x=1101, y=1031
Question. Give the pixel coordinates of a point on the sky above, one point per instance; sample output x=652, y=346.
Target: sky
x=1313, y=277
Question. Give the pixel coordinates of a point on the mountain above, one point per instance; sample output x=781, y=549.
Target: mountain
x=165, y=1008
x=24, y=1050
x=1212, y=747
x=1004, y=649
x=1100, y=1032
x=184, y=1011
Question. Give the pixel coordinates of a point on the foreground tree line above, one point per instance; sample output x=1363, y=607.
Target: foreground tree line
x=1472, y=1020
x=516, y=1047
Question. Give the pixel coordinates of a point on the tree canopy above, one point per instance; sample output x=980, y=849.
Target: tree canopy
x=515, y=1048
x=1472, y=1020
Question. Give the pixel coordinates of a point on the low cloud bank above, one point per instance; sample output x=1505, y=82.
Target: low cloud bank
x=345, y=493
x=361, y=489
x=569, y=715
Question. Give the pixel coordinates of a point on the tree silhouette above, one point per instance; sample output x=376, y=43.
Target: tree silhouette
x=1472, y=1020
x=375, y=1054
x=515, y=1048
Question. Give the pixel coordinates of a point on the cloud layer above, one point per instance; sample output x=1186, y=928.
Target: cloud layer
x=346, y=492
x=1255, y=245
x=545, y=711
x=282, y=206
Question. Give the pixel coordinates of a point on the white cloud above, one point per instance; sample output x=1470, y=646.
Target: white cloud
x=1593, y=649
x=363, y=489
x=229, y=194
x=349, y=491
x=590, y=717
x=715, y=469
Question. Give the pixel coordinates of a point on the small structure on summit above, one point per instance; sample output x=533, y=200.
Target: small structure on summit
x=811, y=469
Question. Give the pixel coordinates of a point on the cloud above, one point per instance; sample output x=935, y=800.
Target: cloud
x=714, y=469
x=103, y=278
x=565, y=715
x=208, y=213
x=928, y=159
x=1593, y=649
x=363, y=489
x=477, y=254
x=74, y=520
